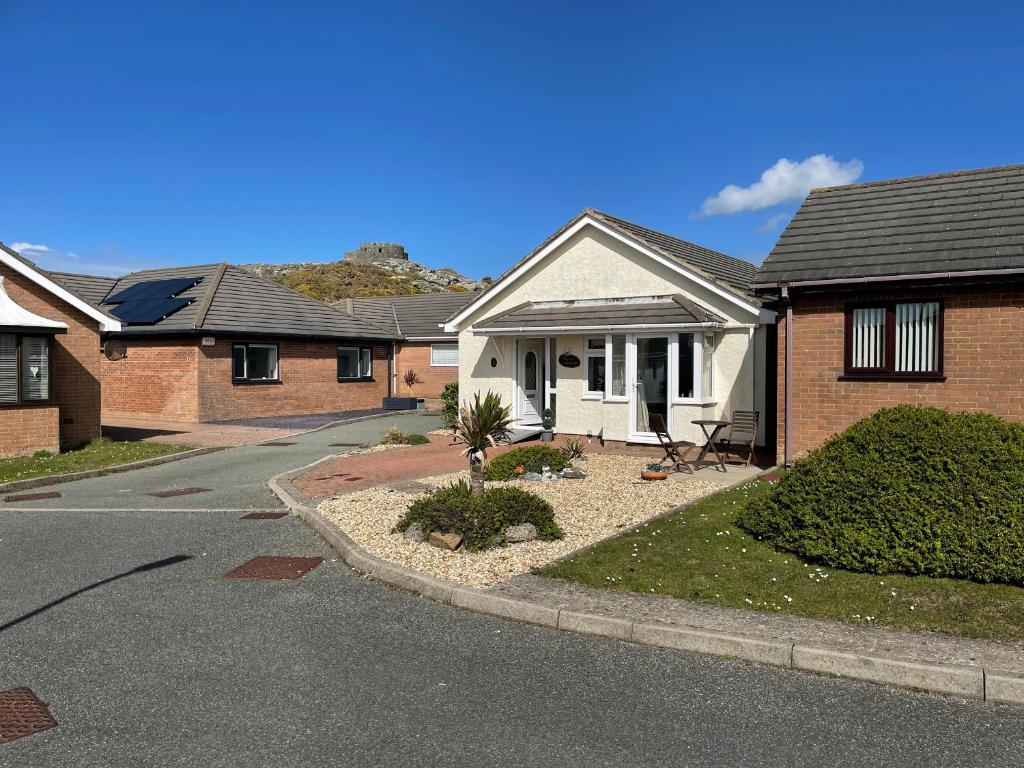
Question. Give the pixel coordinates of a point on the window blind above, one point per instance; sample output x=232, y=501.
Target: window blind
x=917, y=337
x=869, y=337
x=35, y=368
x=8, y=368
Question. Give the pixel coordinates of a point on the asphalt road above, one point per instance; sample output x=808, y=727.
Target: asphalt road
x=236, y=477
x=176, y=666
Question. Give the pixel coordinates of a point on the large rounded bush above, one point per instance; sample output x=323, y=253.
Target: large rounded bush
x=481, y=520
x=908, y=490
x=530, y=457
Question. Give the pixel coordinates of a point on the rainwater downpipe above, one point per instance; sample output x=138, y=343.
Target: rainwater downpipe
x=788, y=405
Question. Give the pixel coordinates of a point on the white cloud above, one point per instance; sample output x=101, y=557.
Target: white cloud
x=775, y=223
x=784, y=181
x=27, y=248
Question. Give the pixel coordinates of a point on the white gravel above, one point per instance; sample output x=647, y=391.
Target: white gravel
x=611, y=498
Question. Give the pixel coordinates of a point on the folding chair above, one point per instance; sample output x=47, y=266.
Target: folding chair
x=671, y=447
x=742, y=433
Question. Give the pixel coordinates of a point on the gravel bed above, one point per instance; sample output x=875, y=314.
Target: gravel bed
x=610, y=499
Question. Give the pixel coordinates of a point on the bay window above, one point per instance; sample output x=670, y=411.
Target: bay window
x=894, y=340
x=24, y=369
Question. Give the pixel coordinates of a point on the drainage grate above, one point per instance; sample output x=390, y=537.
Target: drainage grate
x=344, y=445
x=178, y=492
x=22, y=714
x=274, y=567
x=33, y=496
x=275, y=444
x=263, y=516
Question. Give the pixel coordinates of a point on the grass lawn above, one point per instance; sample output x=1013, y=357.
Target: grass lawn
x=700, y=554
x=96, y=455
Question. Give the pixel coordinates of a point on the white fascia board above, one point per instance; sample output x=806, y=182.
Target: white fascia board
x=499, y=287
x=106, y=323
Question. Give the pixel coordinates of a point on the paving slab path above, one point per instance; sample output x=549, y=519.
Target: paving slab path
x=175, y=665
x=234, y=478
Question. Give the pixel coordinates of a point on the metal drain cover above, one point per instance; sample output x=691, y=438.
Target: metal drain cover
x=263, y=516
x=275, y=444
x=33, y=496
x=274, y=567
x=178, y=492
x=22, y=714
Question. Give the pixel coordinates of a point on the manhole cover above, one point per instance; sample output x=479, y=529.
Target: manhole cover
x=274, y=567
x=275, y=444
x=33, y=496
x=178, y=492
x=22, y=714
x=263, y=515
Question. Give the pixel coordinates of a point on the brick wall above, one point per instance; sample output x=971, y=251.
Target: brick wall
x=74, y=372
x=157, y=379
x=309, y=382
x=416, y=356
x=983, y=362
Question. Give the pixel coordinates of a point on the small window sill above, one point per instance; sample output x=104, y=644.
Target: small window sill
x=616, y=399
x=698, y=403
x=593, y=396
x=28, y=404
x=358, y=378
x=444, y=365
x=889, y=377
x=248, y=382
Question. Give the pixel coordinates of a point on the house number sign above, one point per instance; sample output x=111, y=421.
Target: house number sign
x=568, y=360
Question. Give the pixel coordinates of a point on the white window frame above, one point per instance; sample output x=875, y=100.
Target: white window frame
x=608, y=348
x=245, y=378
x=361, y=375
x=699, y=396
x=433, y=349
x=588, y=355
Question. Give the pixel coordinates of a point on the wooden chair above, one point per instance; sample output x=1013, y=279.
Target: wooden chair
x=742, y=433
x=675, y=450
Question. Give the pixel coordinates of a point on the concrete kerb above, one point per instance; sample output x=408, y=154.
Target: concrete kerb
x=965, y=682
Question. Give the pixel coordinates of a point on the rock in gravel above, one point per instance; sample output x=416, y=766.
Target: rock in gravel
x=533, y=477
x=415, y=533
x=445, y=540
x=571, y=473
x=524, y=532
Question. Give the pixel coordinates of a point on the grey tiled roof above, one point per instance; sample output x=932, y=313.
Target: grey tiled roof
x=417, y=316
x=92, y=288
x=232, y=301
x=604, y=313
x=948, y=222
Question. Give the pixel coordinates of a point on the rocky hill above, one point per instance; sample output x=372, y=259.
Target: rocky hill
x=331, y=281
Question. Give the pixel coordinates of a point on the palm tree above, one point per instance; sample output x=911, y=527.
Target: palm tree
x=481, y=426
x=411, y=379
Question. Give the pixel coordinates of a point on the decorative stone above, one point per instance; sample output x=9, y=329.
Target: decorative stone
x=415, y=533
x=571, y=473
x=524, y=532
x=533, y=477
x=446, y=540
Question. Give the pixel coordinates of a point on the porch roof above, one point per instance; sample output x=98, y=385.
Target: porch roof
x=574, y=316
x=14, y=317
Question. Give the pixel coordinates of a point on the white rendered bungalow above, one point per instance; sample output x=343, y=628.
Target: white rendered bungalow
x=608, y=324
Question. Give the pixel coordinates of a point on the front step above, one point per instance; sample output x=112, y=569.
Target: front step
x=519, y=434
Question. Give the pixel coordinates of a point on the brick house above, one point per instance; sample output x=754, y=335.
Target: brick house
x=49, y=360
x=425, y=347
x=901, y=291
x=213, y=342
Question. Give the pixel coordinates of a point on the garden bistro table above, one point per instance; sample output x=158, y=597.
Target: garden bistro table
x=716, y=426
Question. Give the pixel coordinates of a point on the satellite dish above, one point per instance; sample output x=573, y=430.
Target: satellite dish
x=114, y=349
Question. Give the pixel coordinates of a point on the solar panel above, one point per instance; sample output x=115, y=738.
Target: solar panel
x=154, y=289
x=147, y=311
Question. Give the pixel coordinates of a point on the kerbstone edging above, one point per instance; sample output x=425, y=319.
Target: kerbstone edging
x=966, y=682
x=67, y=477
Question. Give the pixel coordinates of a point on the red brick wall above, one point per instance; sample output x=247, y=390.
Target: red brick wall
x=309, y=382
x=157, y=379
x=415, y=355
x=74, y=371
x=983, y=362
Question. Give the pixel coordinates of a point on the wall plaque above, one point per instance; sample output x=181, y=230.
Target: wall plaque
x=568, y=360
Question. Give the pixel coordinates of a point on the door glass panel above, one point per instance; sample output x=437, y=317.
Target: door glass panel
x=652, y=382
x=530, y=371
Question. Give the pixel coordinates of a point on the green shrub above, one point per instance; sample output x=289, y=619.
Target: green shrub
x=908, y=490
x=481, y=520
x=395, y=436
x=450, y=405
x=573, y=449
x=531, y=458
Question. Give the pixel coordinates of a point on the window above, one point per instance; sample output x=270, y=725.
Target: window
x=707, y=366
x=686, y=367
x=595, y=355
x=617, y=354
x=355, y=363
x=254, y=362
x=695, y=364
x=444, y=354
x=897, y=339
x=24, y=369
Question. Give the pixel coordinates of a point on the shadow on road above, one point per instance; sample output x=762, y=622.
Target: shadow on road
x=172, y=560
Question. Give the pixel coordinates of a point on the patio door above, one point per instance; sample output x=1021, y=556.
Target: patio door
x=531, y=381
x=647, y=358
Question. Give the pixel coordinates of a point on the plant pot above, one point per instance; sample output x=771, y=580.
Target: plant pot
x=421, y=404
x=547, y=435
x=648, y=474
x=399, y=403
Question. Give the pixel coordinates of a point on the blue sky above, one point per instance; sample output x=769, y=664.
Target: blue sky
x=145, y=134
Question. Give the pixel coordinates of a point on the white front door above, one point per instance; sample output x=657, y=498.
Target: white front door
x=531, y=379
x=650, y=396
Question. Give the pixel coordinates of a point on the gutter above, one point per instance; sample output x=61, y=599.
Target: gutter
x=890, y=278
